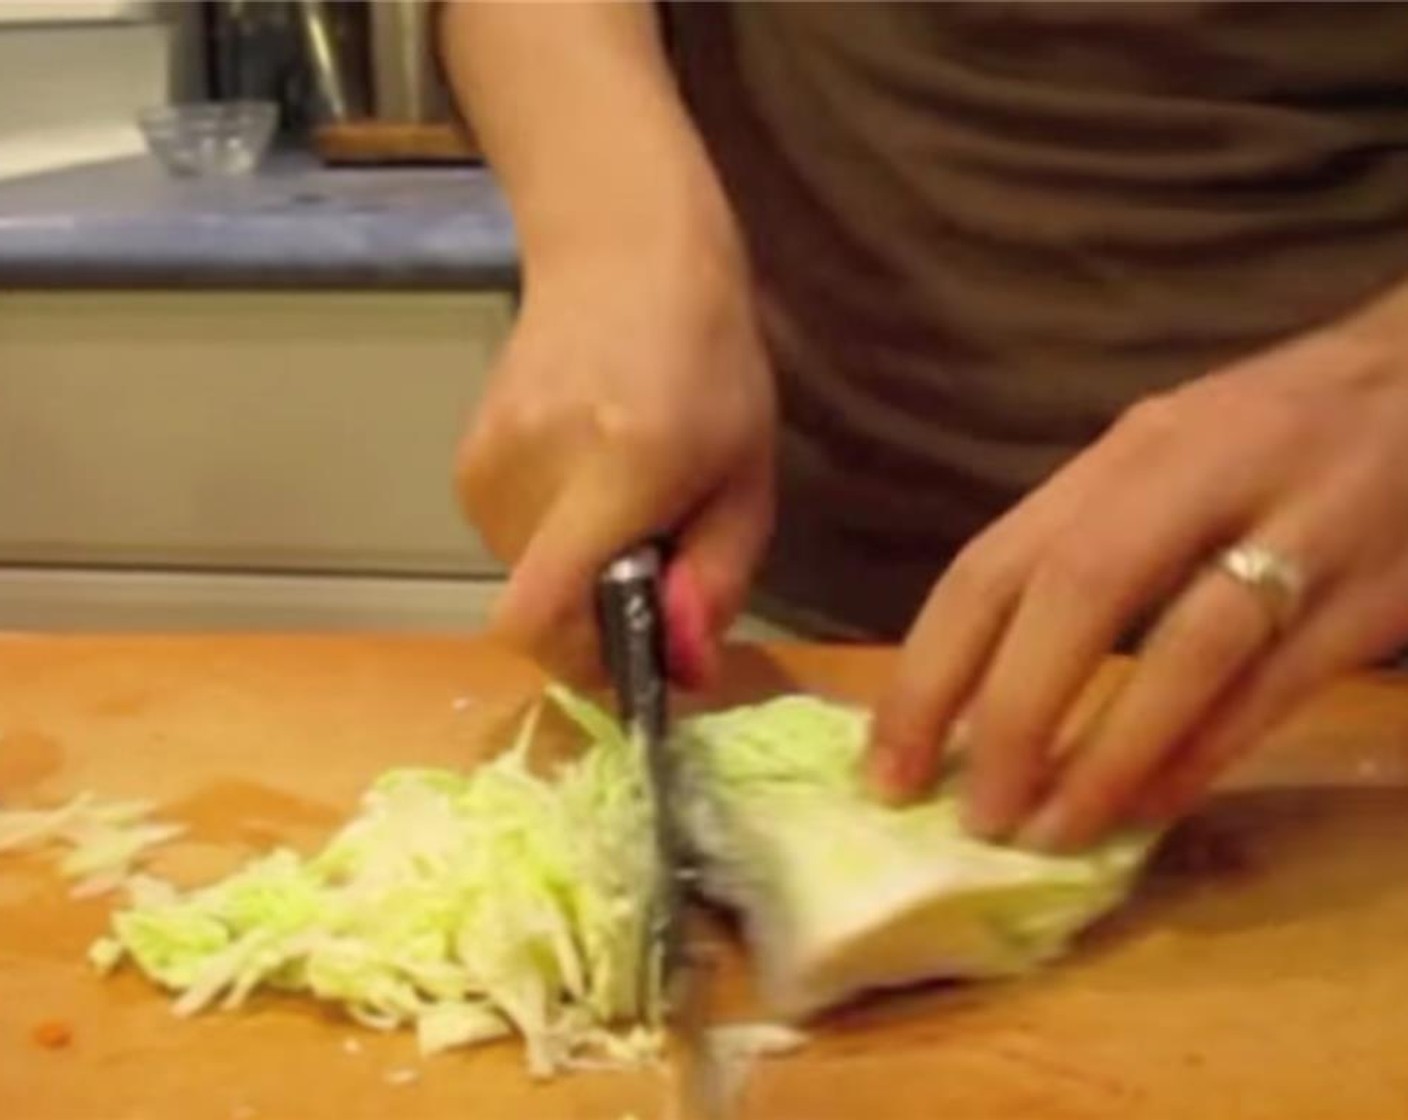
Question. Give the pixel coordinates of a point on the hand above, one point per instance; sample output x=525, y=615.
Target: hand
x=1303, y=449
x=632, y=398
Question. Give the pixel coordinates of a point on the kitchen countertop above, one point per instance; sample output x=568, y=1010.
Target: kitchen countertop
x=128, y=224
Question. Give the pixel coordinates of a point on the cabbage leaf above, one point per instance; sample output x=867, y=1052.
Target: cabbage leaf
x=840, y=895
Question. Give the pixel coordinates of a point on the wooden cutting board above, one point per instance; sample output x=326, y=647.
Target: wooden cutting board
x=1261, y=972
x=371, y=142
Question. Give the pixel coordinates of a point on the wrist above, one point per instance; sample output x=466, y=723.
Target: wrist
x=664, y=224
x=1381, y=325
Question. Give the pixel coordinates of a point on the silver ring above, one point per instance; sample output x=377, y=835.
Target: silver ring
x=1276, y=580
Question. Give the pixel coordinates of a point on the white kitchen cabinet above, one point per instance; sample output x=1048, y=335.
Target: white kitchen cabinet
x=192, y=459
x=276, y=431
x=95, y=599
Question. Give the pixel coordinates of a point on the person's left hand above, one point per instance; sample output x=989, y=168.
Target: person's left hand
x=1302, y=450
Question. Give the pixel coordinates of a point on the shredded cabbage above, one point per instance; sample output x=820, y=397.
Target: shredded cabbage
x=452, y=1023
x=840, y=895
x=463, y=905
x=104, y=840
x=734, y=1048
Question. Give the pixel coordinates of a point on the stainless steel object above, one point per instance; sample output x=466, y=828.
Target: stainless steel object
x=405, y=80
x=322, y=54
x=632, y=624
x=633, y=645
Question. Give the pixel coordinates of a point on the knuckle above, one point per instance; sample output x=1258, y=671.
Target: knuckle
x=982, y=569
x=1082, y=567
x=630, y=428
x=478, y=469
x=507, y=431
x=471, y=471
x=1151, y=418
x=521, y=416
x=487, y=498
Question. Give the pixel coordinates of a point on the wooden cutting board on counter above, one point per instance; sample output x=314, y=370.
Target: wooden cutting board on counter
x=1262, y=972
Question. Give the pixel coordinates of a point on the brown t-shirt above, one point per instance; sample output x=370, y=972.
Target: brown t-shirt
x=982, y=230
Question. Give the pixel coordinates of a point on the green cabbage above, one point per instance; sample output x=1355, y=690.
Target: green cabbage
x=469, y=905
x=840, y=895
x=460, y=904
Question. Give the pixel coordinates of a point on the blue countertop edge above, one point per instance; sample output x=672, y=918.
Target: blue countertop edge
x=294, y=224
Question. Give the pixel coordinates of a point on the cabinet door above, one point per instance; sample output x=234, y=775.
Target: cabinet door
x=300, y=432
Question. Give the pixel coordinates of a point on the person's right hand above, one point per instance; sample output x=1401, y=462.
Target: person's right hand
x=632, y=399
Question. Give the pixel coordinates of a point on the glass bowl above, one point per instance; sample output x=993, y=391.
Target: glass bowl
x=219, y=138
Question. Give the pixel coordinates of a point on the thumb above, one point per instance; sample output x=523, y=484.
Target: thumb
x=717, y=553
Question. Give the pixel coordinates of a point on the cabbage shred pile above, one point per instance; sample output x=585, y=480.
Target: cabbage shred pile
x=467, y=905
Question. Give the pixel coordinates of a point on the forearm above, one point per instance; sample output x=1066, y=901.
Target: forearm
x=576, y=109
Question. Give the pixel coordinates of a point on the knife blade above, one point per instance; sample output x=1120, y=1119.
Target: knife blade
x=632, y=624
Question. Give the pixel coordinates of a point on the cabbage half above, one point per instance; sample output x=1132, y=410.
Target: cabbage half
x=840, y=895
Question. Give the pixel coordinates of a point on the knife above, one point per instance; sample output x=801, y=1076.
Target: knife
x=632, y=623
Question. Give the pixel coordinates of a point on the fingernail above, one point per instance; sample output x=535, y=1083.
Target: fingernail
x=959, y=740
x=1048, y=830
x=982, y=817
x=878, y=770
x=693, y=647
x=885, y=774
